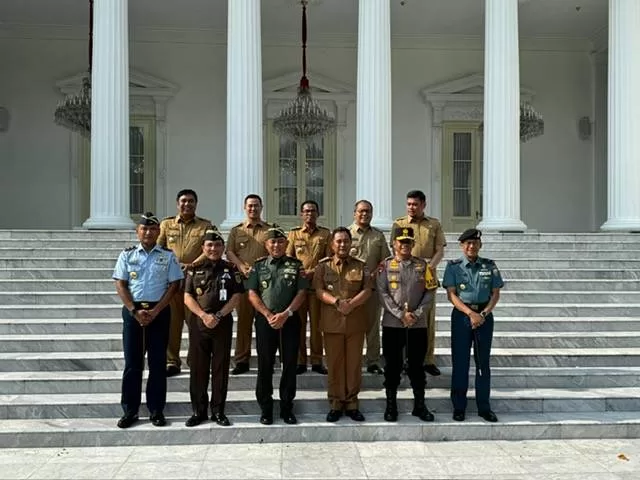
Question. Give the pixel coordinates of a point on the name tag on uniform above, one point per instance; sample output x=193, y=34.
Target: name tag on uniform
x=223, y=294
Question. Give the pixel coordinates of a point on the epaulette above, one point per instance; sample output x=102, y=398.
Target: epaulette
x=295, y=228
x=293, y=259
x=390, y=257
x=207, y=221
x=325, y=259
x=128, y=249
x=239, y=225
x=455, y=262
x=261, y=258
x=323, y=228
x=488, y=261
x=170, y=217
x=399, y=219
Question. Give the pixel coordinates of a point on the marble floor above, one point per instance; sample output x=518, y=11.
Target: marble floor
x=535, y=459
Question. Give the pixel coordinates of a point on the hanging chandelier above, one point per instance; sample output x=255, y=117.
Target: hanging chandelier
x=302, y=119
x=74, y=112
x=531, y=123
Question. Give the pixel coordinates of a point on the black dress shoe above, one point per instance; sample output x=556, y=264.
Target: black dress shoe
x=334, y=415
x=300, y=369
x=355, y=415
x=390, y=415
x=489, y=416
x=289, y=418
x=432, y=370
x=240, y=368
x=458, y=415
x=221, y=419
x=194, y=420
x=127, y=420
x=423, y=414
x=319, y=368
x=172, y=371
x=375, y=369
x=158, y=420
x=266, y=419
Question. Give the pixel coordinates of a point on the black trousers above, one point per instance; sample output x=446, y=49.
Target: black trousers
x=393, y=343
x=210, y=355
x=269, y=341
x=136, y=340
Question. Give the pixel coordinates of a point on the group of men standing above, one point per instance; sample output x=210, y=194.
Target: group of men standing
x=336, y=280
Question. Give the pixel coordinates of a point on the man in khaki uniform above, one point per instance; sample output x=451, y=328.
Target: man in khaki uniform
x=310, y=243
x=244, y=246
x=183, y=234
x=369, y=245
x=343, y=284
x=429, y=245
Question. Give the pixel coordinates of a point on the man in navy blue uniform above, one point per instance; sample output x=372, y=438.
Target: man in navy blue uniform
x=147, y=276
x=473, y=287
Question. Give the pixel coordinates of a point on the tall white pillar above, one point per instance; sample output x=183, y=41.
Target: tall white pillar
x=501, y=176
x=623, y=212
x=245, y=172
x=110, y=117
x=373, y=142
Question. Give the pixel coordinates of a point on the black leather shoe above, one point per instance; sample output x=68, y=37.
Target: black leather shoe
x=289, y=418
x=300, y=369
x=194, y=420
x=172, y=370
x=319, y=368
x=355, y=415
x=390, y=415
x=375, y=369
x=127, y=420
x=221, y=419
x=334, y=415
x=158, y=420
x=489, y=416
x=423, y=414
x=266, y=418
x=458, y=415
x=432, y=370
x=240, y=368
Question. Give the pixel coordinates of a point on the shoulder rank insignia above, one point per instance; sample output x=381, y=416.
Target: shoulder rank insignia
x=296, y=228
x=128, y=249
x=325, y=259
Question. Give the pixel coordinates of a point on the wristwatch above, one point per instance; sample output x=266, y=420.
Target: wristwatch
x=289, y=312
x=218, y=315
x=483, y=314
x=336, y=303
x=132, y=310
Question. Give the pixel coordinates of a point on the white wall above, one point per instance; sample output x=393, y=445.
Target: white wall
x=558, y=184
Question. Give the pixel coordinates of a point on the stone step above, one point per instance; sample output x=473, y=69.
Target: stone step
x=315, y=402
x=110, y=381
x=25, y=326
x=498, y=255
x=504, y=309
x=541, y=275
x=36, y=261
x=106, y=284
x=54, y=298
x=101, y=432
x=110, y=342
x=500, y=357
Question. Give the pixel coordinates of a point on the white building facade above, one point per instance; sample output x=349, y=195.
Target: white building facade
x=184, y=97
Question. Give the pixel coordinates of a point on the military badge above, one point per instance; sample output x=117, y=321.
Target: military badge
x=133, y=275
x=264, y=284
x=242, y=244
x=462, y=286
x=199, y=291
x=238, y=277
x=393, y=263
x=171, y=239
x=393, y=285
x=393, y=278
x=330, y=287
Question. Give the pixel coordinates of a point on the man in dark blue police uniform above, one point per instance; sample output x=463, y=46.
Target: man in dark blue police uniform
x=277, y=288
x=147, y=276
x=473, y=287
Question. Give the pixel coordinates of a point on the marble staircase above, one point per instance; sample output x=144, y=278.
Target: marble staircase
x=565, y=363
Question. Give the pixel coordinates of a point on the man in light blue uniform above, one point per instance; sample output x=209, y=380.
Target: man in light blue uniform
x=147, y=276
x=473, y=287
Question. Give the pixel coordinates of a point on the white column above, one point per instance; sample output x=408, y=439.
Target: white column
x=245, y=172
x=110, y=117
x=623, y=212
x=501, y=176
x=373, y=142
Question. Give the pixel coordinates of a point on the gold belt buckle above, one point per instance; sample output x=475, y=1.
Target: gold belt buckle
x=144, y=305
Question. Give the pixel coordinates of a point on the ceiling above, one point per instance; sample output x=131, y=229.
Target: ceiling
x=562, y=18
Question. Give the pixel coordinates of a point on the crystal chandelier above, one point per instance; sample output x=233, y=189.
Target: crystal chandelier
x=302, y=119
x=74, y=112
x=531, y=123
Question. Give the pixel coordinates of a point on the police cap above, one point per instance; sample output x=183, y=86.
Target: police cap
x=276, y=232
x=148, y=219
x=212, y=235
x=403, y=233
x=470, y=234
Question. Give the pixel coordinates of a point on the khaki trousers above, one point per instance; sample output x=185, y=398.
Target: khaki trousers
x=180, y=315
x=372, y=355
x=246, y=314
x=344, y=363
x=430, y=358
x=310, y=307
